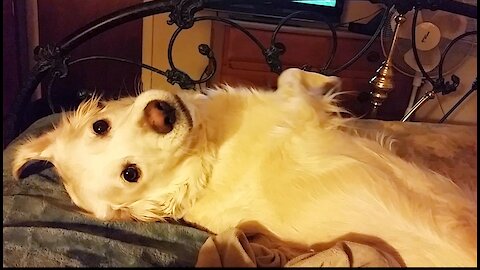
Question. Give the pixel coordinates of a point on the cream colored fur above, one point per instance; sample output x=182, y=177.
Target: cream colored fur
x=284, y=159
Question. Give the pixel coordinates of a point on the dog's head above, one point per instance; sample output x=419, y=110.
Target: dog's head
x=147, y=157
x=116, y=158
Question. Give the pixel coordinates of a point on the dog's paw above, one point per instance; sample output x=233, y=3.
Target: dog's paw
x=295, y=82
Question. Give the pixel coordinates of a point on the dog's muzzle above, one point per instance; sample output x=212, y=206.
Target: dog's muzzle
x=160, y=116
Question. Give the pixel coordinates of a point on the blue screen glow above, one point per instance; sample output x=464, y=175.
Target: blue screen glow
x=328, y=3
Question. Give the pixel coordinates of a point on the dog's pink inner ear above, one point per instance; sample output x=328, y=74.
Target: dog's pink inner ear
x=32, y=152
x=32, y=166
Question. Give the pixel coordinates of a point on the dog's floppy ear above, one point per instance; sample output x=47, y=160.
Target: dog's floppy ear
x=31, y=151
x=294, y=79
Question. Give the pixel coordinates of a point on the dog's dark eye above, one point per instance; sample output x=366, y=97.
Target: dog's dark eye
x=131, y=173
x=101, y=127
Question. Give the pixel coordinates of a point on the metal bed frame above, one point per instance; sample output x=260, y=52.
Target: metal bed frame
x=53, y=61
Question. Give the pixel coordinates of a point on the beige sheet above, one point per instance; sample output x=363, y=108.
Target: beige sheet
x=235, y=248
x=448, y=149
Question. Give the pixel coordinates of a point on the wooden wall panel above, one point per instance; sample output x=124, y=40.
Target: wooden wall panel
x=241, y=62
x=59, y=18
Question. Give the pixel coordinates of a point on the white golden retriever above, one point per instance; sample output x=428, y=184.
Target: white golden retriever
x=284, y=159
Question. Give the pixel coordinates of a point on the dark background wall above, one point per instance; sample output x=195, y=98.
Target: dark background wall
x=57, y=19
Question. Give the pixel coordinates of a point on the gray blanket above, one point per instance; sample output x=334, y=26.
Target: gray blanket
x=41, y=227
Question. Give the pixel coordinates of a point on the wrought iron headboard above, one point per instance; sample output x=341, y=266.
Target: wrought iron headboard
x=54, y=60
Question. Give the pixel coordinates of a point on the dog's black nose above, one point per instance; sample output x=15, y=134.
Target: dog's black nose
x=160, y=116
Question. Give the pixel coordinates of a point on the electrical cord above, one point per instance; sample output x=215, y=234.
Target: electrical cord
x=364, y=49
x=333, y=51
x=100, y=57
x=447, y=49
x=332, y=28
x=359, y=19
x=55, y=75
x=325, y=20
x=473, y=89
x=417, y=84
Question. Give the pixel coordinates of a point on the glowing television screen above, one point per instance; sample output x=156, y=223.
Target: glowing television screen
x=330, y=10
x=327, y=3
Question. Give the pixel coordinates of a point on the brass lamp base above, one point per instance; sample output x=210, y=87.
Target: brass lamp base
x=382, y=83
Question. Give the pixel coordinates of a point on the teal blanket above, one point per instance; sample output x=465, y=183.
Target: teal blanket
x=41, y=227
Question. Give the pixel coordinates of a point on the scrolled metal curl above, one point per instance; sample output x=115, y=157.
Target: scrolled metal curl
x=184, y=13
x=50, y=58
